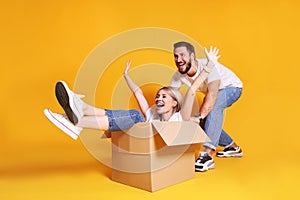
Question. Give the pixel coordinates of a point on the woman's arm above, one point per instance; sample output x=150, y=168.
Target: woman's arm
x=138, y=93
x=212, y=57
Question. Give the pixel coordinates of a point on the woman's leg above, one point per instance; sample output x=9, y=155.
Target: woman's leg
x=89, y=110
x=93, y=118
x=94, y=122
x=123, y=119
x=112, y=120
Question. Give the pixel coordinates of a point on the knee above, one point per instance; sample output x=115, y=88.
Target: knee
x=217, y=109
x=135, y=112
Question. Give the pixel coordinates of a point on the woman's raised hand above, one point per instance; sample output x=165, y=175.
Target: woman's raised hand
x=128, y=63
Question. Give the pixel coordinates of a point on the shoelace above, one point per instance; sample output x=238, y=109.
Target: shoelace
x=203, y=159
x=230, y=149
x=78, y=96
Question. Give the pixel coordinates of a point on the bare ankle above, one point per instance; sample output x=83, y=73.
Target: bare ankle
x=234, y=145
x=209, y=151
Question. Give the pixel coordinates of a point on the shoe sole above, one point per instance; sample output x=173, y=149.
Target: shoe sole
x=205, y=168
x=238, y=155
x=64, y=100
x=60, y=125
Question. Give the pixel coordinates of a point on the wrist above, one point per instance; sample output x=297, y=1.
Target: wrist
x=208, y=68
x=198, y=115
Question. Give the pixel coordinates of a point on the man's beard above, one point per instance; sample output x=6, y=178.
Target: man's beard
x=187, y=68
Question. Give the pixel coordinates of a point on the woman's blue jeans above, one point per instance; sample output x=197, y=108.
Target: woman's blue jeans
x=123, y=119
x=214, y=120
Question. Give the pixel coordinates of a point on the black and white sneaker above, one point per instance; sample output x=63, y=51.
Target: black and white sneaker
x=69, y=101
x=230, y=152
x=204, y=162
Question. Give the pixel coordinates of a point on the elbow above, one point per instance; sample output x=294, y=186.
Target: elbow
x=209, y=108
x=138, y=92
x=186, y=118
x=206, y=109
x=193, y=89
x=191, y=92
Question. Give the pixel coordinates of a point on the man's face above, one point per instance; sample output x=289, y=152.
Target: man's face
x=182, y=59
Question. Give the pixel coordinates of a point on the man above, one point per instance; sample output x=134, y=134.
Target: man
x=221, y=88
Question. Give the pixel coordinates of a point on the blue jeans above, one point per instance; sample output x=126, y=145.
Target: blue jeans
x=214, y=120
x=123, y=119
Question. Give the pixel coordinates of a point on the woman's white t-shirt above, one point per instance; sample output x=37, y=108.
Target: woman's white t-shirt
x=151, y=115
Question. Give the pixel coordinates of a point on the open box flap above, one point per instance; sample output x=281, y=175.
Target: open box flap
x=180, y=133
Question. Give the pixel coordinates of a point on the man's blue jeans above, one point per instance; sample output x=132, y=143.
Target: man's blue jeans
x=214, y=120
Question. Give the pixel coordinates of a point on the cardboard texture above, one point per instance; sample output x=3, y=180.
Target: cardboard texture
x=155, y=155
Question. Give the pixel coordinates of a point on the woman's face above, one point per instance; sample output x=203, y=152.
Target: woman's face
x=164, y=102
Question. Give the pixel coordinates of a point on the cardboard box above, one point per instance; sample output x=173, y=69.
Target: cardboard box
x=155, y=155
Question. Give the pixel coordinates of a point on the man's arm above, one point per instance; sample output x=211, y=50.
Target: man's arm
x=210, y=98
x=186, y=109
x=190, y=95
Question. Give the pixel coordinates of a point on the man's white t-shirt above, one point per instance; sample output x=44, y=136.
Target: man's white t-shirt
x=220, y=72
x=151, y=115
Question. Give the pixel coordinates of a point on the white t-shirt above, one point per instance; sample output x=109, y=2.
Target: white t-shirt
x=151, y=115
x=220, y=72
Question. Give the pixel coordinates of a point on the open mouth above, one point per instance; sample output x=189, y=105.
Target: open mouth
x=160, y=105
x=180, y=64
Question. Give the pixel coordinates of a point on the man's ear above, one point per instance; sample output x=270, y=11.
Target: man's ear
x=192, y=56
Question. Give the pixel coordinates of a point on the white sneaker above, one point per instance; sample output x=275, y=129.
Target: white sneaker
x=204, y=162
x=69, y=101
x=63, y=124
x=230, y=152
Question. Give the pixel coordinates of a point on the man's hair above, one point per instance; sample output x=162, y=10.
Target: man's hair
x=190, y=48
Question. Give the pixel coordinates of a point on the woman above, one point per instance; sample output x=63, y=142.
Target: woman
x=168, y=106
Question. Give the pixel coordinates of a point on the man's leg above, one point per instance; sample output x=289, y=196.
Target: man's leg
x=213, y=127
x=225, y=140
x=231, y=148
x=214, y=121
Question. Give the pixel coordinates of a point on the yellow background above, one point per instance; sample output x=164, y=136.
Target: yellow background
x=45, y=41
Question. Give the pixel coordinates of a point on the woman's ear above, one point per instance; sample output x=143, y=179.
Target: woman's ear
x=175, y=103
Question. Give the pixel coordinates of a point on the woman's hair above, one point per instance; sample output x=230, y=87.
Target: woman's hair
x=175, y=94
